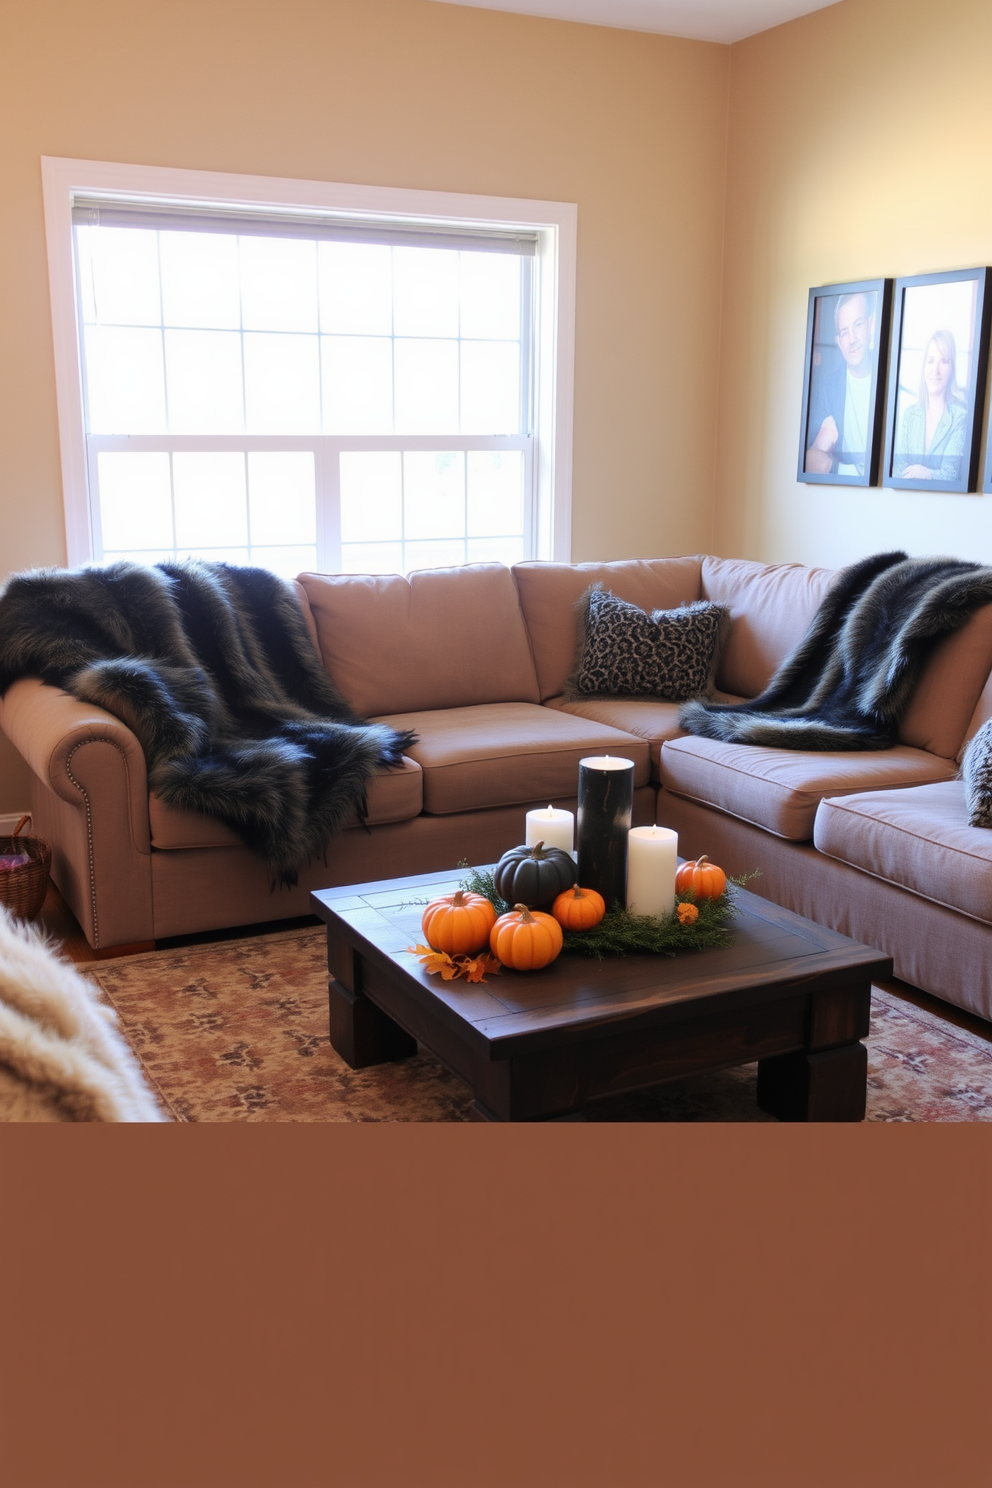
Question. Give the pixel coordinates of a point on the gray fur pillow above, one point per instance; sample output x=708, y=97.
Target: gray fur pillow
x=976, y=768
x=625, y=652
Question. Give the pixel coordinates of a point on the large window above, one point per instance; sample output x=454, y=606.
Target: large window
x=299, y=387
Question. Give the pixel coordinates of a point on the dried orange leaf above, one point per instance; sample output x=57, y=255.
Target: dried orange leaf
x=475, y=968
x=435, y=961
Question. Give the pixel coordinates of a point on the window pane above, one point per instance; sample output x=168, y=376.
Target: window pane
x=146, y=556
x=434, y=495
x=135, y=500
x=122, y=267
x=490, y=295
x=371, y=558
x=426, y=387
x=357, y=384
x=216, y=555
x=372, y=502
x=490, y=374
x=508, y=550
x=282, y=501
x=278, y=284
x=203, y=378
x=356, y=288
x=495, y=492
x=211, y=510
x=282, y=384
x=286, y=562
x=425, y=292
x=200, y=280
x=125, y=381
x=433, y=555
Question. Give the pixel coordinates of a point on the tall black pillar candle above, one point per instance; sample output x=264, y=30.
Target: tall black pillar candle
x=606, y=804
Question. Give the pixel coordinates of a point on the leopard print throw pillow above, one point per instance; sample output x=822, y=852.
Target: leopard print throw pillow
x=976, y=769
x=624, y=652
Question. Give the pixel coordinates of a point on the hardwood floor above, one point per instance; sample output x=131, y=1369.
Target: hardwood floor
x=61, y=925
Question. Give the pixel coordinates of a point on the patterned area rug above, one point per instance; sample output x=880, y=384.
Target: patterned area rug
x=237, y=1031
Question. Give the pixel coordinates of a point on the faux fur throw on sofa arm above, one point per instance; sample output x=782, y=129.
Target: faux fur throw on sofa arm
x=850, y=680
x=214, y=670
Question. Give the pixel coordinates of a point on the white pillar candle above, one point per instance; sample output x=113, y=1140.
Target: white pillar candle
x=553, y=827
x=651, y=863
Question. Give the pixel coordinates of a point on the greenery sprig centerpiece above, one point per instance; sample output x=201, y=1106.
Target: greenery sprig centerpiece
x=695, y=925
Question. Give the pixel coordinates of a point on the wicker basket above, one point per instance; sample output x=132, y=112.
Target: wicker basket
x=23, y=889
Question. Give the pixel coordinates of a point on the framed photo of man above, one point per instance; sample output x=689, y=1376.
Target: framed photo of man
x=846, y=330
x=936, y=384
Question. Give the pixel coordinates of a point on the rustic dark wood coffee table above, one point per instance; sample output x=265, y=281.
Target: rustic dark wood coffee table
x=533, y=1046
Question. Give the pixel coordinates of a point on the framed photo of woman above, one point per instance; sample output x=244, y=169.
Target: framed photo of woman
x=940, y=334
x=841, y=435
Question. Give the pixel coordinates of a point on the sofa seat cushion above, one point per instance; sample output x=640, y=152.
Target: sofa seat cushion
x=780, y=789
x=505, y=754
x=919, y=839
x=649, y=719
x=394, y=795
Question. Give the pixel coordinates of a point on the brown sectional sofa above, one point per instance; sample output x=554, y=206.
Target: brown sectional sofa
x=474, y=660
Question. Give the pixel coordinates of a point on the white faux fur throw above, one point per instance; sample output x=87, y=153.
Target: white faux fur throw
x=61, y=1055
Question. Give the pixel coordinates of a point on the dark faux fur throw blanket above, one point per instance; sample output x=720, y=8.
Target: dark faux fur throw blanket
x=849, y=681
x=214, y=670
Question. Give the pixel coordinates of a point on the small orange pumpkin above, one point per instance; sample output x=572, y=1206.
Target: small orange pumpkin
x=702, y=878
x=525, y=939
x=579, y=909
x=459, y=923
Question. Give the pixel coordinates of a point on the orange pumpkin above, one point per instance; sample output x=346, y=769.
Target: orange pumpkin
x=525, y=939
x=579, y=909
x=459, y=923
x=702, y=878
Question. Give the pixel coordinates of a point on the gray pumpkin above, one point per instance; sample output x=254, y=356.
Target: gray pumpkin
x=533, y=875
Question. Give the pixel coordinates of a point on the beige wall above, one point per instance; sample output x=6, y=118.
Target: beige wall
x=860, y=146
x=407, y=93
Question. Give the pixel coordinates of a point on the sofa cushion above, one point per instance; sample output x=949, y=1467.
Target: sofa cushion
x=654, y=720
x=501, y=754
x=626, y=652
x=443, y=638
x=771, y=606
x=549, y=593
x=780, y=789
x=949, y=688
x=919, y=839
x=394, y=795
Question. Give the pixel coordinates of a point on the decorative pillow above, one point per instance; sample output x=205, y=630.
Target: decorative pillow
x=976, y=768
x=624, y=652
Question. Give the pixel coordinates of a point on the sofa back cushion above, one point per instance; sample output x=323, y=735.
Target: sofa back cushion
x=549, y=593
x=442, y=638
x=950, y=689
x=771, y=606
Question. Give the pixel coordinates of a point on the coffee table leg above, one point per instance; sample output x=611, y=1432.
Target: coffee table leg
x=829, y=1086
x=361, y=1033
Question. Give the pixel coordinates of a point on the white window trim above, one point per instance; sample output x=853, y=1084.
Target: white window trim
x=555, y=264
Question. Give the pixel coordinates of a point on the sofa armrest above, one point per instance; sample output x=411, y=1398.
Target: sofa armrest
x=89, y=798
x=50, y=728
